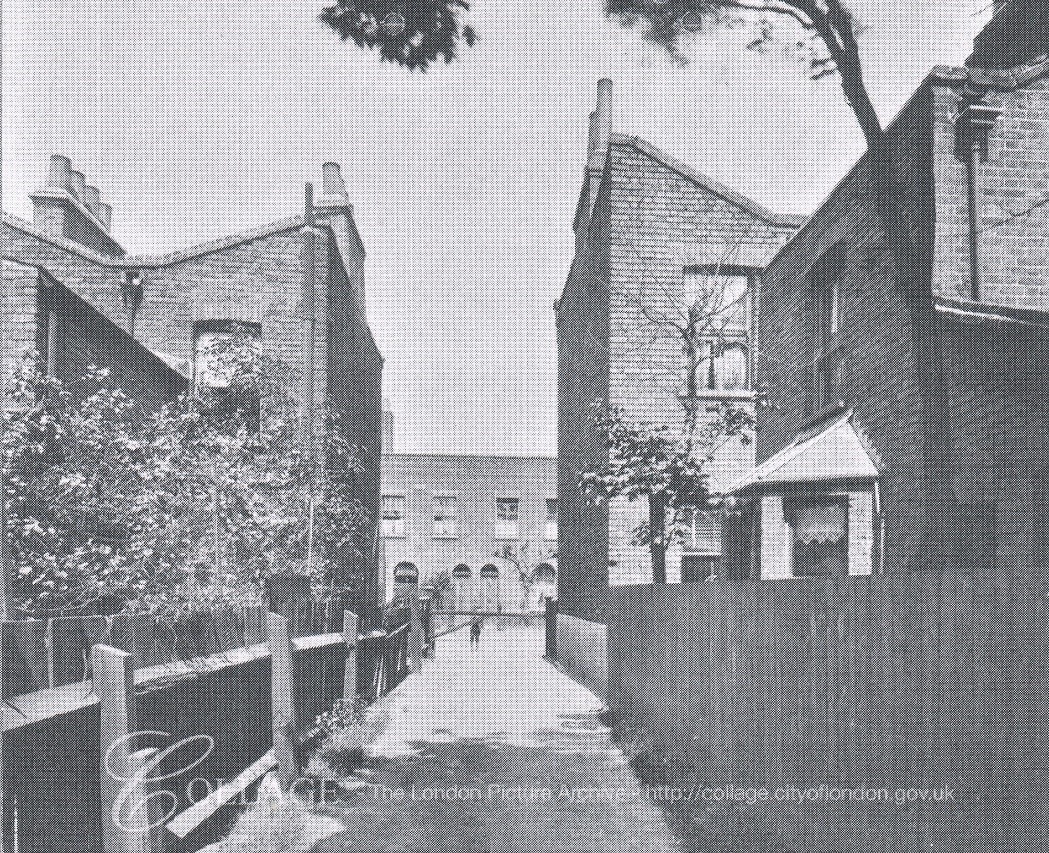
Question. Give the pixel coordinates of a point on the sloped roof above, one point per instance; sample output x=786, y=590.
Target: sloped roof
x=155, y=261
x=708, y=183
x=832, y=451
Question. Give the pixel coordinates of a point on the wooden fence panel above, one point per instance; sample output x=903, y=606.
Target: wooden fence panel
x=70, y=639
x=895, y=688
x=24, y=656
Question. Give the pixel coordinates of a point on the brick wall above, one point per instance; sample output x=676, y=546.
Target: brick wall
x=83, y=338
x=1013, y=182
x=652, y=217
x=885, y=343
x=582, y=379
x=999, y=431
x=19, y=313
x=95, y=278
x=659, y=222
x=61, y=217
x=302, y=284
x=477, y=482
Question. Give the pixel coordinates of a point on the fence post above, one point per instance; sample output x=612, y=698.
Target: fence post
x=349, y=637
x=113, y=681
x=282, y=686
x=415, y=633
x=550, y=624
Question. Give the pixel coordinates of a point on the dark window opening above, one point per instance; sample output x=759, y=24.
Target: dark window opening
x=697, y=567
x=819, y=536
x=826, y=280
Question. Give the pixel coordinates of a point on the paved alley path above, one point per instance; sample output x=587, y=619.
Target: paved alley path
x=494, y=750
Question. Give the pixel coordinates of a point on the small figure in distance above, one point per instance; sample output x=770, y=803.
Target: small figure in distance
x=475, y=633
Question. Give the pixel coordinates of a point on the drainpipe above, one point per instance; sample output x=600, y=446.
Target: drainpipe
x=51, y=327
x=974, y=121
x=309, y=306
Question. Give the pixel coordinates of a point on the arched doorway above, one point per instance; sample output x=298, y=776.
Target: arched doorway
x=489, y=593
x=462, y=588
x=544, y=585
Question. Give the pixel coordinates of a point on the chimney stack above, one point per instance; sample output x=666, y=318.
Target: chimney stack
x=600, y=126
x=599, y=138
x=68, y=207
x=332, y=208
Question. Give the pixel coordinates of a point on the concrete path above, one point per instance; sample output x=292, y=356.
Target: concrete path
x=495, y=751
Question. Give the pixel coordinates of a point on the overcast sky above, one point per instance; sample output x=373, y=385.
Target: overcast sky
x=197, y=119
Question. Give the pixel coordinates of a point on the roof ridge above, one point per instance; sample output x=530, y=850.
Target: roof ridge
x=218, y=244
x=691, y=173
x=134, y=261
x=62, y=242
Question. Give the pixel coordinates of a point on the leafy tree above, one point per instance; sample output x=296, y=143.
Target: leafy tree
x=822, y=33
x=667, y=466
x=523, y=557
x=440, y=582
x=411, y=33
x=682, y=336
x=180, y=509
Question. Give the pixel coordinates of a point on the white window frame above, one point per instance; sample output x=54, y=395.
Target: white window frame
x=507, y=527
x=445, y=523
x=393, y=528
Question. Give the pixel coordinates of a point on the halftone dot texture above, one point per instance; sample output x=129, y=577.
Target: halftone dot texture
x=199, y=122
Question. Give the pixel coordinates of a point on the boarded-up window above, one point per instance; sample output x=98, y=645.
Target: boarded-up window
x=218, y=348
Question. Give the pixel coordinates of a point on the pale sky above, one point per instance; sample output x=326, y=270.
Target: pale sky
x=197, y=119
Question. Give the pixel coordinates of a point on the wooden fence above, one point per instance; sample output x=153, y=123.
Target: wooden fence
x=249, y=681
x=867, y=713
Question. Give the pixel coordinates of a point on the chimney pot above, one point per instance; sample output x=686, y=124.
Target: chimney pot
x=333, y=189
x=77, y=186
x=104, y=214
x=92, y=198
x=331, y=179
x=601, y=124
x=58, y=172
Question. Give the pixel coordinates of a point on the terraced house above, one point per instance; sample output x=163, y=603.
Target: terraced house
x=654, y=237
x=486, y=526
x=74, y=295
x=908, y=424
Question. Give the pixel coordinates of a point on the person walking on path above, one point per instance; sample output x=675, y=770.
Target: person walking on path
x=475, y=633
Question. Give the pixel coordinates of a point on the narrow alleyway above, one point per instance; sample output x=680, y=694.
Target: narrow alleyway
x=492, y=749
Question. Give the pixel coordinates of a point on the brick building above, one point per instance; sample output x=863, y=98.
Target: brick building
x=651, y=236
x=297, y=284
x=41, y=315
x=482, y=520
x=907, y=425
